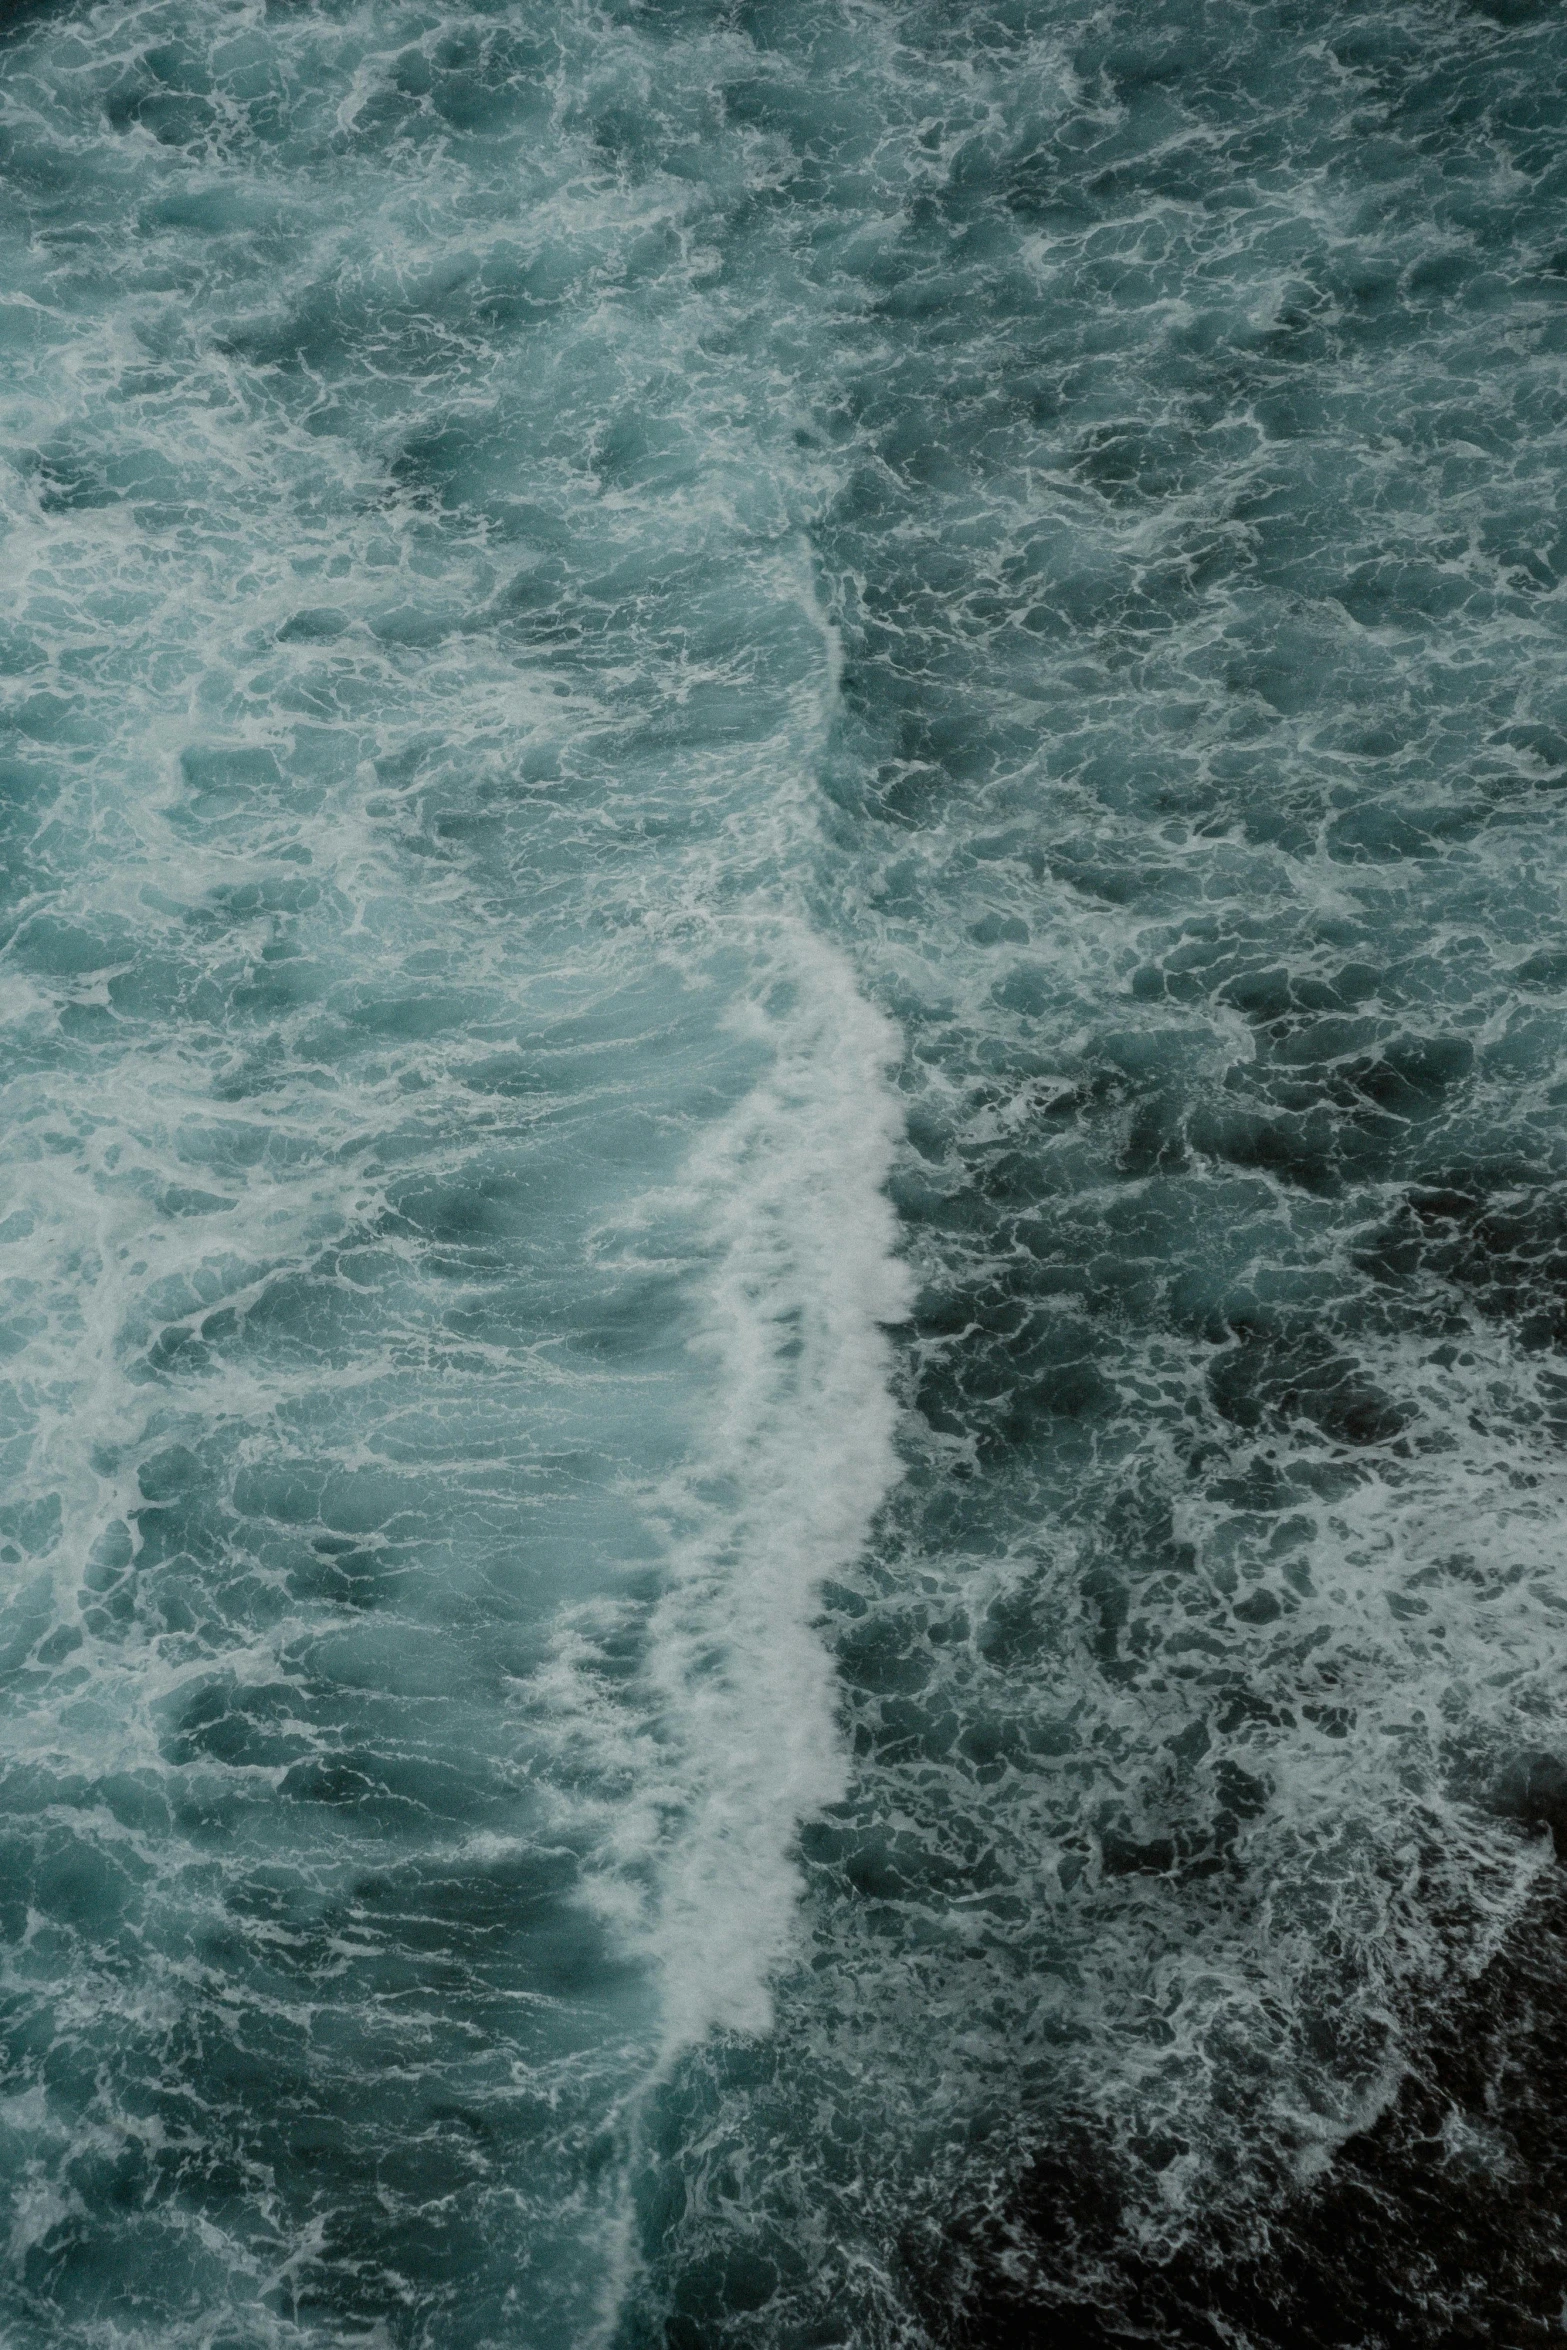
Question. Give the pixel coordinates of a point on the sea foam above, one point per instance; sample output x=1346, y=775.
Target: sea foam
x=786, y=1478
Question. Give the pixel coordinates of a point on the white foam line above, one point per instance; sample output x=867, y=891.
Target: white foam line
x=779, y=1495
x=796, y=1464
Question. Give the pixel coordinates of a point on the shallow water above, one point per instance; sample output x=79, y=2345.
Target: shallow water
x=785, y=1242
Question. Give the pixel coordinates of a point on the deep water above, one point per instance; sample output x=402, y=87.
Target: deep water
x=783, y=1262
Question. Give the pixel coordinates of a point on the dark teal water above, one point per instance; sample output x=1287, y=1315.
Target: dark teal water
x=785, y=1215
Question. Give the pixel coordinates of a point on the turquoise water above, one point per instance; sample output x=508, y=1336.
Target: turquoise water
x=785, y=1216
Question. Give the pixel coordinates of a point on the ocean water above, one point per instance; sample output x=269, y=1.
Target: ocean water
x=784, y=1234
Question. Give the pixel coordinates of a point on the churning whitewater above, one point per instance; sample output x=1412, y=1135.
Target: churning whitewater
x=783, y=1266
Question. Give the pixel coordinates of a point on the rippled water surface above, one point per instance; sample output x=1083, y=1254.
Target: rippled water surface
x=783, y=1264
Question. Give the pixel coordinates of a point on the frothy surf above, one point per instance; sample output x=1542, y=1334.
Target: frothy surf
x=781, y=1364
x=729, y=1737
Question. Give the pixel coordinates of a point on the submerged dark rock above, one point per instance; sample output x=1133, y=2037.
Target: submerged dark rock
x=1443, y=2224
